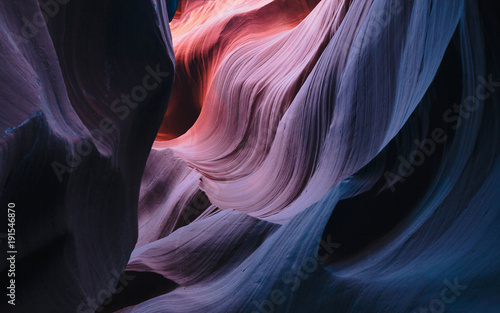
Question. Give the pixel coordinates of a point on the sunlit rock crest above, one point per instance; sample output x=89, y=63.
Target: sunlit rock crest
x=310, y=156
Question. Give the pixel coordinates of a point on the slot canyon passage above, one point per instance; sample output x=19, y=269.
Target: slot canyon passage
x=254, y=156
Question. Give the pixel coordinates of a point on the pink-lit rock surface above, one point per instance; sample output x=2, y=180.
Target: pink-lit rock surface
x=265, y=156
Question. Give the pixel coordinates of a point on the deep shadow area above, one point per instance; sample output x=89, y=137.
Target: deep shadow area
x=360, y=222
x=134, y=288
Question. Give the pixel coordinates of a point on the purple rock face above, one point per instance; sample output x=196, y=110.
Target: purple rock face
x=311, y=156
x=71, y=163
